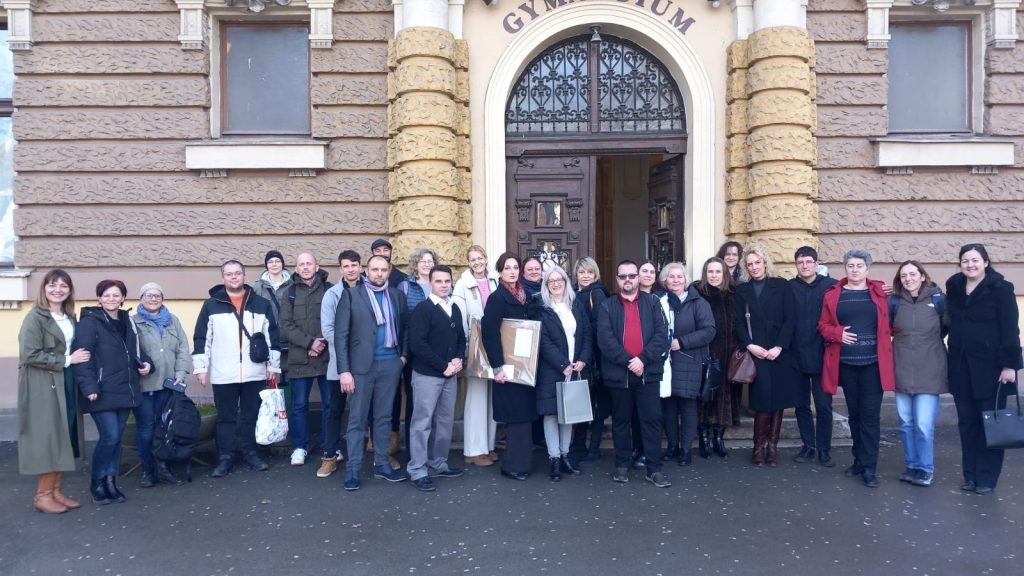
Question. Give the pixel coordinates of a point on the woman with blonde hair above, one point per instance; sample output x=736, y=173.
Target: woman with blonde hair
x=47, y=429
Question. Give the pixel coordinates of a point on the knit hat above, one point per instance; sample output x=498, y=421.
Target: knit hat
x=273, y=254
x=378, y=243
x=150, y=286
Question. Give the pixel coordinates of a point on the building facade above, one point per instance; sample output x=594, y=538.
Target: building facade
x=157, y=138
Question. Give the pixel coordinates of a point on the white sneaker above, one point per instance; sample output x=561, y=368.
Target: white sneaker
x=298, y=457
x=338, y=456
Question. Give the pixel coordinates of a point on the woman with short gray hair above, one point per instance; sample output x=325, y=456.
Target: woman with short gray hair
x=858, y=356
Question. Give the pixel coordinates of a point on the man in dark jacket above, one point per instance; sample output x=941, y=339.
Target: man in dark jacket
x=808, y=346
x=382, y=247
x=632, y=335
x=299, y=301
x=437, y=342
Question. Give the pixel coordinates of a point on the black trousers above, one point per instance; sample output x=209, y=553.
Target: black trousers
x=980, y=463
x=518, y=454
x=644, y=397
x=862, y=386
x=331, y=437
x=237, y=405
x=815, y=429
x=680, y=416
x=396, y=409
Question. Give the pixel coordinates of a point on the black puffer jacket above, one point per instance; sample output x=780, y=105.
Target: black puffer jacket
x=112, y=371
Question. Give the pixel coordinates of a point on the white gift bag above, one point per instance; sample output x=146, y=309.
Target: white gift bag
x=272, y=421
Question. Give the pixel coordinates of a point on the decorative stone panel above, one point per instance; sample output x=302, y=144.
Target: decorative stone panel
x=783, y=213
x=82, y=6
x=424, y=145
x=1005, y=120
x=1005, y=61
x=736, y=152
x=736, y=118
x=427, y=42
x=780, y=143
x=868, y=186
x=339, y=89
x=782, y=42
x=134, y=124
x=363, y=26
x=737, y=185
x=349, y=121
x=852, y=90
x=845, y=153
x=850, y=59
x=428, y=178
x=938, y=248
x=99, y=157
x=112, y=59
x=737, y=220
x=437, y=214
x=788, y=73
x=350, y=57
x=852, y=121
x=838, y=27
x=112, y=91
x=736, y=86
x=92, y=27
x=782, y=178
x=884, y=218
x=780, y=107
x=424, y=74
x=424, y=109
x=737, y=56
x=356, y=154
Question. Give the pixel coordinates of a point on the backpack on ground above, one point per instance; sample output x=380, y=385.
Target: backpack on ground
x=176, y=433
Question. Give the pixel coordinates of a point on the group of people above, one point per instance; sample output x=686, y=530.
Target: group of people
x=380, y=334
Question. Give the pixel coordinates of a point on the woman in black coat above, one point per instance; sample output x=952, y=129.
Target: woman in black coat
x=566, y=346
x=771, y=304
x=108, y=383
x=984, y=352
x=716, y=287
x=590, y=293
x=514, y=404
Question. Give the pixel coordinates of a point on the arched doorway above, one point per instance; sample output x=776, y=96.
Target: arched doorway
x=595, y=132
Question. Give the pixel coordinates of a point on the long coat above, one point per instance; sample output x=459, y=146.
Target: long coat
x=112, y=371
x=44, y=442
x=832, y=332
x=919, y=354
x=984, y=335
x=169, y=353
x=512, y=403
x=772, y=320
x=693, y=325
x=554, y=354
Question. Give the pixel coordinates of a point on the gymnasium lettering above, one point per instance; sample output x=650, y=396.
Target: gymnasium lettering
x=530, y=10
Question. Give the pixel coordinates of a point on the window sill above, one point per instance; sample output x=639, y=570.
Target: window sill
x=13, y=288
x=215, y=157
x=904, y=152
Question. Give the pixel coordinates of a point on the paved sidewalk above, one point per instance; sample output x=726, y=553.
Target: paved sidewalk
x=721, y=516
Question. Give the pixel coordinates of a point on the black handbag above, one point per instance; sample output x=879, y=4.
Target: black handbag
x=1004, y=428
x=710, y=379
x=259, y=350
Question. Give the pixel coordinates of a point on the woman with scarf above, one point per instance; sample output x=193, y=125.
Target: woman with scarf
x=514, y=404
x=533, y=271
x=166, y=343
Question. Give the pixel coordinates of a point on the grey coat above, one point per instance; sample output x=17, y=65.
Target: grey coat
x=694, y=327
x=44, y=444
x=170, y=354
x=919, y=353
x=355, y=329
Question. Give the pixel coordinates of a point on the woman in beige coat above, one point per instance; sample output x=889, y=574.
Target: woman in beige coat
x=46, y=396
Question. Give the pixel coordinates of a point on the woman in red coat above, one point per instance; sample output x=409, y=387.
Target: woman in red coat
x=858, y=356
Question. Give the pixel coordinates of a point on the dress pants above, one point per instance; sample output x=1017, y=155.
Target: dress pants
x=478, y=427
x=980, y=463
x=862, y=386
x=675, y=409
x=815, y=429
x=237, y=403
x=376, y=388
x=396, y=409
x=331, y=440
x=433, y=415
x=517, y=458
x=645, y=398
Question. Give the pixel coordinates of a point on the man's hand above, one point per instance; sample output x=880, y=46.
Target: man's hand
x=272, y=379
x=348, y=384
x=202, y=377
x=636, y=366
x=319, y=345
x=145, y=368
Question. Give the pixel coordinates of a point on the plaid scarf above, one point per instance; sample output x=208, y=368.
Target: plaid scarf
x=516, y=289
x=385, y=315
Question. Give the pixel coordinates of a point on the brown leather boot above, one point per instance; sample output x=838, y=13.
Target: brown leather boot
x=762, y=421
x=44, y=501
x=774, y=429
x=69, y=503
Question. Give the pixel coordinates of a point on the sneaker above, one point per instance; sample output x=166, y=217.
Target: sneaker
x=923, y=478
x=424, y=484
x=386, y=473
x=658, y=479
x=327, y=467
x=806, y=455
x=908, y=475
x=352, y=481
x=621, y=475
x=394, y=463
x=338, y=456
x=222, y=469
x=447, y=473
x=299, y=457
x=855, y=469
x=254, y=462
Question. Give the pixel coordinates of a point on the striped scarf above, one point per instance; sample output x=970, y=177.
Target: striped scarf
x=385, y=315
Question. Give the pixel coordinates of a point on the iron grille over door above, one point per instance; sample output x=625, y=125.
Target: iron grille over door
x=634, y=92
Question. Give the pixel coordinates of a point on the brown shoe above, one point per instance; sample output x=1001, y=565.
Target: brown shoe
x=393, y=445
x=493, y=456
x=69, y=503
x=327, y=467
x=395, y=464
x=44, y=501
x=481, y=460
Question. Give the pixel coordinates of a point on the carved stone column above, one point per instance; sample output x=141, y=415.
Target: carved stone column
x=428, y=149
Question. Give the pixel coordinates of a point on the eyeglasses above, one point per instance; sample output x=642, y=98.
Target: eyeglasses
x=556, y=281
x=152, y=296
x=627, y=276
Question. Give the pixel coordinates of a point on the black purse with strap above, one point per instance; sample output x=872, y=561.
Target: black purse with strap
x=259, y=350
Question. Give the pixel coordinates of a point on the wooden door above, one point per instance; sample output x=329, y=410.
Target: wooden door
x=551, y=213
x=665, y=209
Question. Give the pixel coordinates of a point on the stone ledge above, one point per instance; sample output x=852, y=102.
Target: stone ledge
x=14, y=287
x=896, y=151
x=255, y=153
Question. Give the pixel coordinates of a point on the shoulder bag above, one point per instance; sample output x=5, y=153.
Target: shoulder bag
x=741, y=363
x=259, y=351
x=1003, y=428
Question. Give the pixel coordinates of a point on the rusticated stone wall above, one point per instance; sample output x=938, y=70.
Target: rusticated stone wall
x=926, y=215
x=106, y=100
x=771, y=184
x=428, y=153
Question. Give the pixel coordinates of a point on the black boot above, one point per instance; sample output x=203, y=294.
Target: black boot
x=718, y=442
x=115, y=494
x=223, y=467
x=165, y=476
x=147, y=480
x=685, y=456
x=554, y=472
x=705, y=441
x=567, y=466
x=98, y=491
x=671, y=453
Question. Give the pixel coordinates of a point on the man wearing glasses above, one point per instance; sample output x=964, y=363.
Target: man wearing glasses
x=632, y=335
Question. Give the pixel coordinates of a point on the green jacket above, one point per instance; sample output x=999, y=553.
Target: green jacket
x=170, y=354
x=299, y=324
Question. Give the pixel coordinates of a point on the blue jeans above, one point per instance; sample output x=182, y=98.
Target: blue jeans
x=917, y=413
x=145, y=421
x=300, y=409
x=106, y=456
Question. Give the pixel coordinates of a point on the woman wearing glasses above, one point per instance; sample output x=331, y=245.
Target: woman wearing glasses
x=163, y=338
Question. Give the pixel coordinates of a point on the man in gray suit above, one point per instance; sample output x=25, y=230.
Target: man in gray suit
x=369, y=339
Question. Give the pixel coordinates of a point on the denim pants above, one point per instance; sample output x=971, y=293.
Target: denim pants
x=145, y=421
x=917, y=413
x=330, y=440
x=300, y=409
x=106, y=456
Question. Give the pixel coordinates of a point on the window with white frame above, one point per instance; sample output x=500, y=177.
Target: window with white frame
x=930, y=77
x=265, y=78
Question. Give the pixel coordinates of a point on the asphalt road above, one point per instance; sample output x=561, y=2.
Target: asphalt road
x=720, y=516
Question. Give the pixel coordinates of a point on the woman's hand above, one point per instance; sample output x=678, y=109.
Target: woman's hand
x=499, y=377
x=579, y=366
x=1007, y=376
x=848, y=337
x=145, y=369
x=675, y=345
x=92, y=397
x=757, y=351
x=567, y=371
x=773, y=353
x=80, y=355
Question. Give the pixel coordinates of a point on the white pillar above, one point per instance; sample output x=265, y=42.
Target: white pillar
x=421, y=14
x=744, y=18
x=778, y=13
